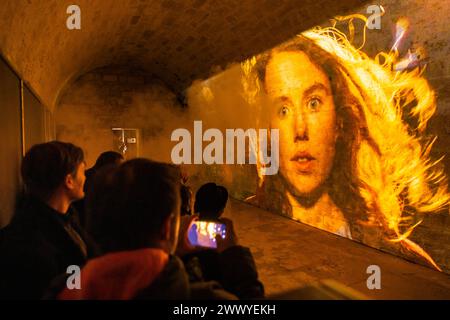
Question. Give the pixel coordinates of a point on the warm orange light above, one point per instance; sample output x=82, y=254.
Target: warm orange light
x=399, y=169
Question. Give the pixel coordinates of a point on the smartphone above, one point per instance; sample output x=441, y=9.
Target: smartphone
x=203, y=233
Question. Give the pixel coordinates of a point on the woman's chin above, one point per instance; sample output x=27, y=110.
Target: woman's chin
x=303, y=187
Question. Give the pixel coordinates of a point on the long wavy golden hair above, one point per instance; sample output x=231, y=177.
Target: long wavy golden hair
x=383, y=158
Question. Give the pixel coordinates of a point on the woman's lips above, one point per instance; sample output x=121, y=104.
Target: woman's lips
x=303, y=162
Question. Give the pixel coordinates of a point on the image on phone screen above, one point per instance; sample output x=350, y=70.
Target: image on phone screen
x=203, y=233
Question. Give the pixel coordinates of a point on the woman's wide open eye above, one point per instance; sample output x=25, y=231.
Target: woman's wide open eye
x=284, y=111
x=314, y=104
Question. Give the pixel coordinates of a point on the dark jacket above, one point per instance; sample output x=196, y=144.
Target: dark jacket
x=141, y=274
x=37, y=245
x=234, y=269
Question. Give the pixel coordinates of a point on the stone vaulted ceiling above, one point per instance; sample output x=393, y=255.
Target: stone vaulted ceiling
x=177, y=41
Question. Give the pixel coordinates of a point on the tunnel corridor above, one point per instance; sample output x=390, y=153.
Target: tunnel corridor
x=137, y=71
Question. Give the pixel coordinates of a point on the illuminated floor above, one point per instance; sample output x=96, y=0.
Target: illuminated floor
x=290, y=255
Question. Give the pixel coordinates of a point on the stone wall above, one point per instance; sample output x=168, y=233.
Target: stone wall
x=115, y=97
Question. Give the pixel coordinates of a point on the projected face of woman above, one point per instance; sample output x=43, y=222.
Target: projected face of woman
x=303, y=110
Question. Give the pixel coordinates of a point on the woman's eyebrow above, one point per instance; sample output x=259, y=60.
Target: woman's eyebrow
x=315, y=87
x=282, y=98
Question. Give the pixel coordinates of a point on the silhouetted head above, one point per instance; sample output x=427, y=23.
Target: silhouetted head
x=135, y=205
x=107, y=158
x=210, y=201
x=52, y=165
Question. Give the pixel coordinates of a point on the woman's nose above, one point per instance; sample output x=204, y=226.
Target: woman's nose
x=300, y=127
